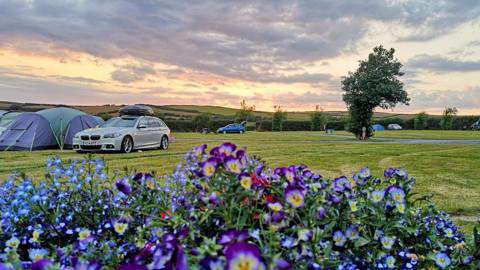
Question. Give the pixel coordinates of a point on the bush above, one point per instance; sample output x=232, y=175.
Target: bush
x=318, y=120
x=104, y=115
x=202, y=121
x=222, y=209
x=279, y=116
x=420, y=121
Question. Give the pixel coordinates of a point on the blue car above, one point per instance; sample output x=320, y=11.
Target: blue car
x=232, y=128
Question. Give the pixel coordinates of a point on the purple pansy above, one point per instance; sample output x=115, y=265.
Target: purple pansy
x=233, y=165
x=142, y=177
x=199, y=150
x=339, y=238
x=233, y=236
x=277, y=217
x=334, y=198
x=396, y=193
x=223, y=150
x=123, y=186
x=212, y=263
x=321, y=213
x=42, y=264
x=209, y=167
x=244, y=256
x=294, y=197
x=242, y=157
x=352, y=232
x=213, y=198
x=388, y=173
x=132, y=266
x=362, y=177
x=341, y=184
x=169, y=255
x=281, y=264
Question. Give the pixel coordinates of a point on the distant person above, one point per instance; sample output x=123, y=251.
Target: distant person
x=364, y=133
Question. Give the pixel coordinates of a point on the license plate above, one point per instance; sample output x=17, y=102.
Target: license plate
x=90, y=143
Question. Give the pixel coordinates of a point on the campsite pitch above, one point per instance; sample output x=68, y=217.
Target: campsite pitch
x=449, y=172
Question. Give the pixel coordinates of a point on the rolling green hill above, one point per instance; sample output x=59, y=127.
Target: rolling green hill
x=186, y=111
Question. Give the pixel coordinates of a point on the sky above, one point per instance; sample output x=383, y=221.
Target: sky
x=287, y=53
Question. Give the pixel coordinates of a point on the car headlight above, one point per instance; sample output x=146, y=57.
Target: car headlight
x=76, y=136
x=111, y=135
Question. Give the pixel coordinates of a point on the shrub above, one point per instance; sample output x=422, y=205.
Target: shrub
x=447, y=118
x=104, y=115
x=420, y=121
x=318, y=120
x=279, y=116
x=202, y=121
x=223, y=209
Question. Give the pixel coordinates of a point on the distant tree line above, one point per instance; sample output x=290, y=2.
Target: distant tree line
x=319, y=121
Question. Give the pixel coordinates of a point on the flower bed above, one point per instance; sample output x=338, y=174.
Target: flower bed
x=223, y=209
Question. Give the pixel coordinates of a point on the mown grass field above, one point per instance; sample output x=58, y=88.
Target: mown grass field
x=450, y=172
x=429, y=134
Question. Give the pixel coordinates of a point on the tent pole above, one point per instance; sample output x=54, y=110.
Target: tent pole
x=20, y=135
x=62, y=142
x=34, y=135
x=65, y=137
x=55, y=135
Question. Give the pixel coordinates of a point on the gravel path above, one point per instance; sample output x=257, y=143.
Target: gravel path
x=374, y=141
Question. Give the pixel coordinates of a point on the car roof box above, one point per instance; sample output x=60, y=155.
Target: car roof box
x=136, y=110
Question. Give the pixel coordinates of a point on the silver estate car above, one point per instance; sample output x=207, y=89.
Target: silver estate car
x=125, y=134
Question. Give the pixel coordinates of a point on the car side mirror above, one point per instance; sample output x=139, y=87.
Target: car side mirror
x=141, y=126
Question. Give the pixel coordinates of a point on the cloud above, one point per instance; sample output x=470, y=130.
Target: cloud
x=30, y=88
x=77, y=79
x=437, y=100
x=237, y=39
x=132, y=73
x=440, y=64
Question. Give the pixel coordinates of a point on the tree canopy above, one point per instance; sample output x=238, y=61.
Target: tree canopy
x=374, y=84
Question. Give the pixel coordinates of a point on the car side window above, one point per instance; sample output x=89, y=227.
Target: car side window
x=143, y=122
x=161, y=123
x=151, y=123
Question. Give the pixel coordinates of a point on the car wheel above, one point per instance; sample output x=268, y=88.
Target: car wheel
x=241, y=131
x=127, y=144
x=164, y=143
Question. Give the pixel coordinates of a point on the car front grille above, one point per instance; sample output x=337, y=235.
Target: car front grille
x=85, y=137
x=91, y=147
x=95, y=137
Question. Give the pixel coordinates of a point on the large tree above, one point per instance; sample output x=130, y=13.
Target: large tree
x=374, y=84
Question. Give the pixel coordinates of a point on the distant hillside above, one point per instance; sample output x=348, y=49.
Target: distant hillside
x=186, y=111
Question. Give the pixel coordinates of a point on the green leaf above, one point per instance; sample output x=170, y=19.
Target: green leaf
x=361, y=242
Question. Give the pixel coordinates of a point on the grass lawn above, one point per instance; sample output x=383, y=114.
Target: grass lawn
x=449, y=172
x=429, y=134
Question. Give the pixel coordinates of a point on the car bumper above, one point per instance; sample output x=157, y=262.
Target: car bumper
x=110, y=144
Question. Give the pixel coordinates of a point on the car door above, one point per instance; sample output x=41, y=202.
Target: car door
x=142, y=133
x=164, y=130
x=155, y=134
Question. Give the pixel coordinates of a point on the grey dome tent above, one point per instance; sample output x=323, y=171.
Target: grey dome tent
x=50, y=128
x=29, y=131
x=66, y=122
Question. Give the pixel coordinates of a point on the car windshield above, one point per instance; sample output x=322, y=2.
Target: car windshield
x=120, y=122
